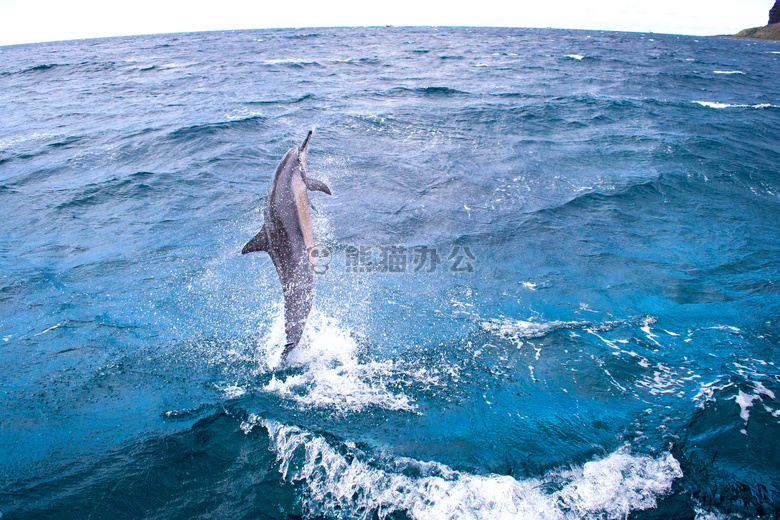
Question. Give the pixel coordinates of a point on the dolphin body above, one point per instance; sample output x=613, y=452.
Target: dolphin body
x=286, y=236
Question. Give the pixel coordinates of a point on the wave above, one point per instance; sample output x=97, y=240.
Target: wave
x=440, y=91
x=729, y=448
x=187, y=414
x=42, y=67
x=196, y=131
x=290, y=101
x=429, y=91
x=583, y=200
x=516, y=330
x=344, y=481
x=112, y=190
x=295, y=63
x=36, y=137
x=304, y=36
x=80, y=67
x=37, y=145
x=185, y=474
x=359, y=61
x=714, y=104
x=594, y=199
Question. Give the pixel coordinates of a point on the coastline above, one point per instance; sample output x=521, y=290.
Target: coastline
x=769, y=32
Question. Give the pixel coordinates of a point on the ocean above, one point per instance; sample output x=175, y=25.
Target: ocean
x=547, y=280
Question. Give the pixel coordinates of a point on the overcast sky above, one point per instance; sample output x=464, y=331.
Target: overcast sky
x=26, y=21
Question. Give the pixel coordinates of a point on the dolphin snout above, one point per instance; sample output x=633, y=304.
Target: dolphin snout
x=305, y=142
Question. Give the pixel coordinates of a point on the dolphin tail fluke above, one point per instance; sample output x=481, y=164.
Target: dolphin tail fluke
x=315, y=185
x=287, y=349
x=258, y=243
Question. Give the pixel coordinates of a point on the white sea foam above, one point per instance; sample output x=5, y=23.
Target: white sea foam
x=516, y=330
x=333, y=375
x=727, y=72
x=703, y=514
x=345, y=485
x=577, y=57
x=288, y=61
x=232, y=391
x=54, y=327
x=243, y=114
x=646, y=329
x=713, y=104
x=707, y=392
x=664, y=380
x=170, y=66
x=762, y=390
x=5, y=143
x=745, y=402
x=727, y=328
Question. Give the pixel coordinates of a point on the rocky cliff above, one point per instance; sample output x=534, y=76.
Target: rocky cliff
x=768, y=32
x=774, y=13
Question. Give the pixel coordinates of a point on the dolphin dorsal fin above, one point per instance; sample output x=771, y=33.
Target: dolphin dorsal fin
x=258, y=243
x=315, y=185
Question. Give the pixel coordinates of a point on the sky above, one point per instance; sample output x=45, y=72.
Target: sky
x=29, y=21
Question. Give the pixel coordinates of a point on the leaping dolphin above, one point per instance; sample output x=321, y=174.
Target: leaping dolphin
x=286, y=236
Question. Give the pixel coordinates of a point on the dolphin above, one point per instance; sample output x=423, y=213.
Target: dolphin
x=286, y=236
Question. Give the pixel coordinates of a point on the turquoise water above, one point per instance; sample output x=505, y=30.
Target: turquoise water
x=552, y=288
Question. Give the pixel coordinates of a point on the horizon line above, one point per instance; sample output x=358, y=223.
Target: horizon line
x=387, y=26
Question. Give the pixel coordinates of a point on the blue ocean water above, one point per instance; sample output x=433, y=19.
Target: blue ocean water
x=552, y=288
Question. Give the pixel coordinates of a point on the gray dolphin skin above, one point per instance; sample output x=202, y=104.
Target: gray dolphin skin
x=287, y=237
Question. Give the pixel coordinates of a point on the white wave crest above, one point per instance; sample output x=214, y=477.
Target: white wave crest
x=287, y=61
x=512, y=329
x=343, y=485
x=518, y=330
x=713, y=104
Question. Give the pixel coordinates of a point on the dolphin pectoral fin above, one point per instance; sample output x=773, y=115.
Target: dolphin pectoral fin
x=315, y=185
x=258, y=243
x=313, y=208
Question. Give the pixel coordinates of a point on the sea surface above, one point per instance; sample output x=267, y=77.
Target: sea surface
x=548, y=277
